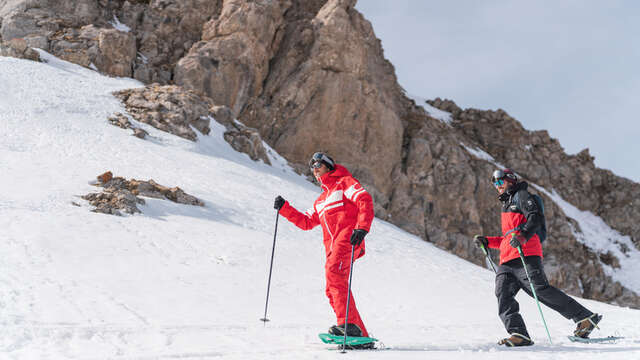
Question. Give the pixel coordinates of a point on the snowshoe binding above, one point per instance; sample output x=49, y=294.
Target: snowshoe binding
x=585, y=326
x=516, y=340
x=352, y=330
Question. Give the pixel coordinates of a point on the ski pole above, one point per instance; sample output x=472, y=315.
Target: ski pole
x=534, y=293
x=346, y=317
x=486, y=253
x=273, y=249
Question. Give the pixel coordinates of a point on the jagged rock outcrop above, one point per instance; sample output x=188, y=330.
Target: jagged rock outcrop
x=178, y=111
x=168, y=108
x=143, y=39
x=120, y=120
x=18, y=48
x=310, y=75
x=120, y=194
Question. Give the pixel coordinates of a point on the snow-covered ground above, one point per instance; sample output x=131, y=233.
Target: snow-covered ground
x=190, y=282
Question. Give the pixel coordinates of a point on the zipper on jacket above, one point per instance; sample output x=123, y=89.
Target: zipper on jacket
x=329, y=231
x=325, y=218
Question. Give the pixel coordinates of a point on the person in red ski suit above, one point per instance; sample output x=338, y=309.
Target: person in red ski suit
x=522, y=218
x=345, y=212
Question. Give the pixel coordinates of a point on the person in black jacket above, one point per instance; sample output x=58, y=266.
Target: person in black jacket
x=522, y=220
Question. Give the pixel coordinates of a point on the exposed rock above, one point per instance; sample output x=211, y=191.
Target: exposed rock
x=175, y=110
x=120, y=194
x=161, y=32
x=152, y=189
x=18, y=48
x=110, y=51
x=113, y=202
x=169, y=108
x=121, y=121
x=246, y=140
x=232, y=61
x=105, y=177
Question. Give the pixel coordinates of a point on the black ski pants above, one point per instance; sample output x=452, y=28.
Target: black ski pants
x=511, y=277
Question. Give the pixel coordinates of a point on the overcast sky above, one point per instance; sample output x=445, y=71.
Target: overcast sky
x=569, y=67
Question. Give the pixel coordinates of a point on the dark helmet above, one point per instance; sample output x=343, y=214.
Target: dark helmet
x=505, y=174
x=320, y=158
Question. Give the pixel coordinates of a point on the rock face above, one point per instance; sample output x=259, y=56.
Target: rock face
x=18, y=48
x=143, y=39
x=310, y=75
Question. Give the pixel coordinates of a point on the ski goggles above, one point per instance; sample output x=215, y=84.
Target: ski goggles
x=318, y=159
x=497, y=175
x=498, y=182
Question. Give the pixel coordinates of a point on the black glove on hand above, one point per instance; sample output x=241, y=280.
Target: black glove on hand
x=480, y=241
x=357, y=236
x=517, y=241
x=279, y=203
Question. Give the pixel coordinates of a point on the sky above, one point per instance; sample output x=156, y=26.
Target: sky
x=569, y=67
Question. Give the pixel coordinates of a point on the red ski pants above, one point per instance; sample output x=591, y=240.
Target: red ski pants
x=337, y=287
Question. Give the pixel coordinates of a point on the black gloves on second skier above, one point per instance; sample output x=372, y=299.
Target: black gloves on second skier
x=480, y=241
x=357, y=236
x=517, y=241
x=278, y=203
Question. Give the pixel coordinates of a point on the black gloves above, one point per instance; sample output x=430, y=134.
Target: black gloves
x=278, y=203
x=480, y=241
x=517, y=241
x=357, y=236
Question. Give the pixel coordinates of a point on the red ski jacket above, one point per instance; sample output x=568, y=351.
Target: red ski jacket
x=520, y=216
x=343, y=206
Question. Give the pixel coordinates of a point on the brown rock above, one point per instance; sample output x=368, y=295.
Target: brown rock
x=18, y=48
x=105, y=177
x=168, y=108
x=120, y=194
x=117, y=51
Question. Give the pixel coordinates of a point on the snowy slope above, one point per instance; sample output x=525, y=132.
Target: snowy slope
x=190, y=282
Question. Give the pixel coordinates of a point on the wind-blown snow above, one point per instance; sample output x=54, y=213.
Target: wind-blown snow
x=602, y=239
x=190, y=282
x=119, y=26
x=435, y=113
x=482, y=155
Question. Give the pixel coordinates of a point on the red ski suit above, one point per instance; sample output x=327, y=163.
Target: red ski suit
x=343, y=206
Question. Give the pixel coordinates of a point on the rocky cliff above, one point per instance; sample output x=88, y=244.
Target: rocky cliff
x=310, y=75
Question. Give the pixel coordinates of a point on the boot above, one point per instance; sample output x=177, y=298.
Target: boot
x=352, y=330
x=516, y=340
x=585, y=326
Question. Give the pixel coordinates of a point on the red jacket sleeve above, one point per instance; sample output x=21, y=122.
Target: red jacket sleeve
x=306, y=221
x=494, y=241
x=364, y=202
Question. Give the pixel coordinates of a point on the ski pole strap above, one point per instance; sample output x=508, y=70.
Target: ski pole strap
x=510, y=231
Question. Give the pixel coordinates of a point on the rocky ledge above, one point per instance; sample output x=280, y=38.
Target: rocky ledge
x=119, y=194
